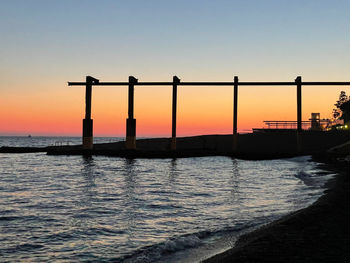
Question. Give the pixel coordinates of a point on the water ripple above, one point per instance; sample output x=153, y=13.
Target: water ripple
x=69, y=208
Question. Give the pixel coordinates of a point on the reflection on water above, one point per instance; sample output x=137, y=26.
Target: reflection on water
x=88, y=171
x=84, y=205
x=69, y=208
x=173, y=173
x=130, y=198
x=130, y=181
x=234, y=181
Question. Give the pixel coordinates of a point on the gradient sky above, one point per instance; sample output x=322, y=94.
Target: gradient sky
x=44, y=44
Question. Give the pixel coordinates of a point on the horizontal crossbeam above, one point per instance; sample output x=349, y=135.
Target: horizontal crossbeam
x=322, y=120
x=312, y=83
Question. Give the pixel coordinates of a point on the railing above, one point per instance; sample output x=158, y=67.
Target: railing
x=294, y=124
x=62, y=143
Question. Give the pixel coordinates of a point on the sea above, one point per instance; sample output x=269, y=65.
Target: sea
x=110, y=209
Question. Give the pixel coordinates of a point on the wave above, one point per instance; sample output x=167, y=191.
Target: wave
x=300, y=159
x=306, y=178
x=26, y=247
x=157, y=252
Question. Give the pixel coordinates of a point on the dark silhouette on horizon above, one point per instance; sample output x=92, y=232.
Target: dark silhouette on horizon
x=130, y=143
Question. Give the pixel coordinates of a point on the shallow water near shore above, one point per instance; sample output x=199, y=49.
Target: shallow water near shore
x=70, y=208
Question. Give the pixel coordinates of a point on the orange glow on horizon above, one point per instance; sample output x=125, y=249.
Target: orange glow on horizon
x=205, y=110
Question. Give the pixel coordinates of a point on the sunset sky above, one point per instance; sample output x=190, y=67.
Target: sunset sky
x=44, y=44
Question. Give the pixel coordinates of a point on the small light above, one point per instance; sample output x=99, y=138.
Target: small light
x=346, y=126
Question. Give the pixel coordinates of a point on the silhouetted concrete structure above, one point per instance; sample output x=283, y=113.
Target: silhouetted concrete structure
x=176, y=81
x=130, y=142
x=88, y=122
x=299, y=116
x=235, y=106
x=131, y=122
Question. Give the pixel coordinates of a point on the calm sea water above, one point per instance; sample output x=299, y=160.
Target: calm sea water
x=101, y=209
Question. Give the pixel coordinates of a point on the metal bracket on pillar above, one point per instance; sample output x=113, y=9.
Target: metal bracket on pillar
x=235, y=106
x=130, y=121
x=88, y=122
x=176, y=81
x=298, y=82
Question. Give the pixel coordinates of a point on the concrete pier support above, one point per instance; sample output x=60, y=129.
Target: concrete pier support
x=298, y=82
x=130, y=142
x=176, y=81
x=235, y=106
x=88, y=140
x=88, y=122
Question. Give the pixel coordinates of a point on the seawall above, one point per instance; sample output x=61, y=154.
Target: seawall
x=250, y=146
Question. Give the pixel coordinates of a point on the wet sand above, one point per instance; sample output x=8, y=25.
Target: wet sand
x=319, y=233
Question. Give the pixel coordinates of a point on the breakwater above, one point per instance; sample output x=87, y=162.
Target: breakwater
x=251, y=146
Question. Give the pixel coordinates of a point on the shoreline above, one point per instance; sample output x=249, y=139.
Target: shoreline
x=318, y=233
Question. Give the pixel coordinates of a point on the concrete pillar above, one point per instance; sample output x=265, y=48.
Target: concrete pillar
x=298, y=82
x=87, y=134
x=235, y=106
x=176, y=81
x=87, y=122
x=130, y=121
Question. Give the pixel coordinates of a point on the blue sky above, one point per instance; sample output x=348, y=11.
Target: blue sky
x=44, y=44
x=192, y=38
